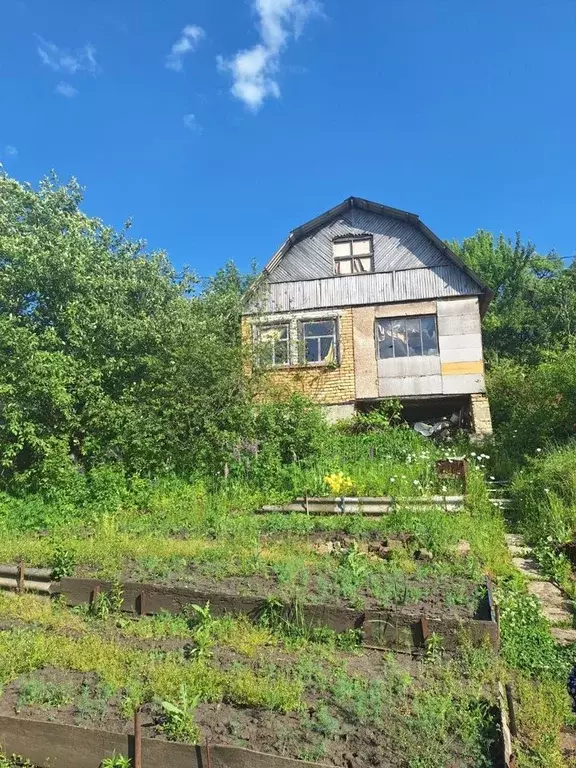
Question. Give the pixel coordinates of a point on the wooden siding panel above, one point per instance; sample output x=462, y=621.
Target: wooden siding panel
x=398, y=245
x=356, y=290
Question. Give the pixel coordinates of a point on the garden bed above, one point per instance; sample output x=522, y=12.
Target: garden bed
x=302, y=700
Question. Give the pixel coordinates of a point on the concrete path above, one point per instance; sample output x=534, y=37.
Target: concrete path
x=555, y=606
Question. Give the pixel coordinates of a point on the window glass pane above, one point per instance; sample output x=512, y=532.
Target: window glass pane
x=429, y=335
x=363, y=265
x=342, y=249
x=384, y=337
x=327, y=349
x=311, y=350
x=399, y=334
x=413, y=335
x=320, y=328
x=273, y=333
x=360, y=247
x=344, y=267
x=281, y=353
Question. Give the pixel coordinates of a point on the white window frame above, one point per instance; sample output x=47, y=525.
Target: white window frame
x=258, y=332
x=295, y=346
x=381, y=321
x=335, y=335
x=354, y=259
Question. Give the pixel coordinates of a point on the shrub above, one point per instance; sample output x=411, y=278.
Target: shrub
x=544, y=494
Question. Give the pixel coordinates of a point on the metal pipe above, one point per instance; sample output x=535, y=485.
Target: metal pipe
x=137, y=739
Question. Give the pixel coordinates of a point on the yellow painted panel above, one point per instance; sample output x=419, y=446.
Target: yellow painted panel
x=449, y=369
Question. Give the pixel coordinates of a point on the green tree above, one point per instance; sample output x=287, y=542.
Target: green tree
x=107, y=355
x=534, y=296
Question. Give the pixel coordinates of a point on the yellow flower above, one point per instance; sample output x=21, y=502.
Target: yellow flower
x=338, y=483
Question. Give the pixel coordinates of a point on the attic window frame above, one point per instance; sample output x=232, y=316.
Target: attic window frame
x=353, y=258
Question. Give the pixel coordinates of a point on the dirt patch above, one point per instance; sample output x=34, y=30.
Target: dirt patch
x=334, y=728
x=442, y=596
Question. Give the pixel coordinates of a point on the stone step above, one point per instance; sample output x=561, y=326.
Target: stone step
x=515, y=539
x=528, y=567
x=564, y=636
x=518, y=551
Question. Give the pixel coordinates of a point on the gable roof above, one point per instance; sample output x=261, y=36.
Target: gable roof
x=318, y=222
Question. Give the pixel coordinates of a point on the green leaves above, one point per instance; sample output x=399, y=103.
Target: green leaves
x=107, y=355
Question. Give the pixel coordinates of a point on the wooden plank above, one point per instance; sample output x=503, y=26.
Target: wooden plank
x=462, y=368
x=52, y=745
x=381, y=628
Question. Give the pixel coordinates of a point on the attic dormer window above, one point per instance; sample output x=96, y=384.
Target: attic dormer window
x=353, y=255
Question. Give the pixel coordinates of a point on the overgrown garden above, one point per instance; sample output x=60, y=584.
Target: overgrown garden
x=132, y=447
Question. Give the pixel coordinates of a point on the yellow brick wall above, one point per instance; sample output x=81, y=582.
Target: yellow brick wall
x=324, y=385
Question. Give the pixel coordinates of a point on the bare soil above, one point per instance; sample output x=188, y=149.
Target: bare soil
x=434, y=596
x=296, y=735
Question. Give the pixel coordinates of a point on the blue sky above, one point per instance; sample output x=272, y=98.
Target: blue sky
x=219, y=125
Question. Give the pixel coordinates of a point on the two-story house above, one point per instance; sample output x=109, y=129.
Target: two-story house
x=365, y=303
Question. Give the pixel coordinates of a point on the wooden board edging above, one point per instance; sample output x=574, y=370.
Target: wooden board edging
x=383, y=628
x=55, y=745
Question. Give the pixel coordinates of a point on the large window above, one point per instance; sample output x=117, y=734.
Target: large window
x=273, y=343
x=407, y=337
x=353, y=255
x=319, y=343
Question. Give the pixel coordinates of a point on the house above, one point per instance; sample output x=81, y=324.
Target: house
x=365, y=303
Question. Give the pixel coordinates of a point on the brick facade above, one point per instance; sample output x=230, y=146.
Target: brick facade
x=324, y=384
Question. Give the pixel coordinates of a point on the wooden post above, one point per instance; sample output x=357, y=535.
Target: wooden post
x=511, y=713
x=208, y=754
x=424, y=628
x=141, y=604
x=137, y=739
x=21, y=576
x=94, y=594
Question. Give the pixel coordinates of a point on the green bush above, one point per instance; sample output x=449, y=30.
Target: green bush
x=531, y=407
x=544, y=495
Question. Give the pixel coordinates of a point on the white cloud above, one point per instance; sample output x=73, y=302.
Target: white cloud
x=63, y=60
x=65, y=89
x=186, y=43
x=10, y=151
x=254, y=70
x=191, y=123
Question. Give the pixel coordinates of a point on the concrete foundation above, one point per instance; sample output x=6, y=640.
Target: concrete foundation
x=336, y=413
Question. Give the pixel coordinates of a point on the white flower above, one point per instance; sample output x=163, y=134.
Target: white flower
x=473, y=453
x=444, y=489
x=492, y=477
x=538, y=450
x=416, y=482
x=392, y=479
x=546, y=490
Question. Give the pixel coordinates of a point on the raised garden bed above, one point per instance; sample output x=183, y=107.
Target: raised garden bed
x=288, y=699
